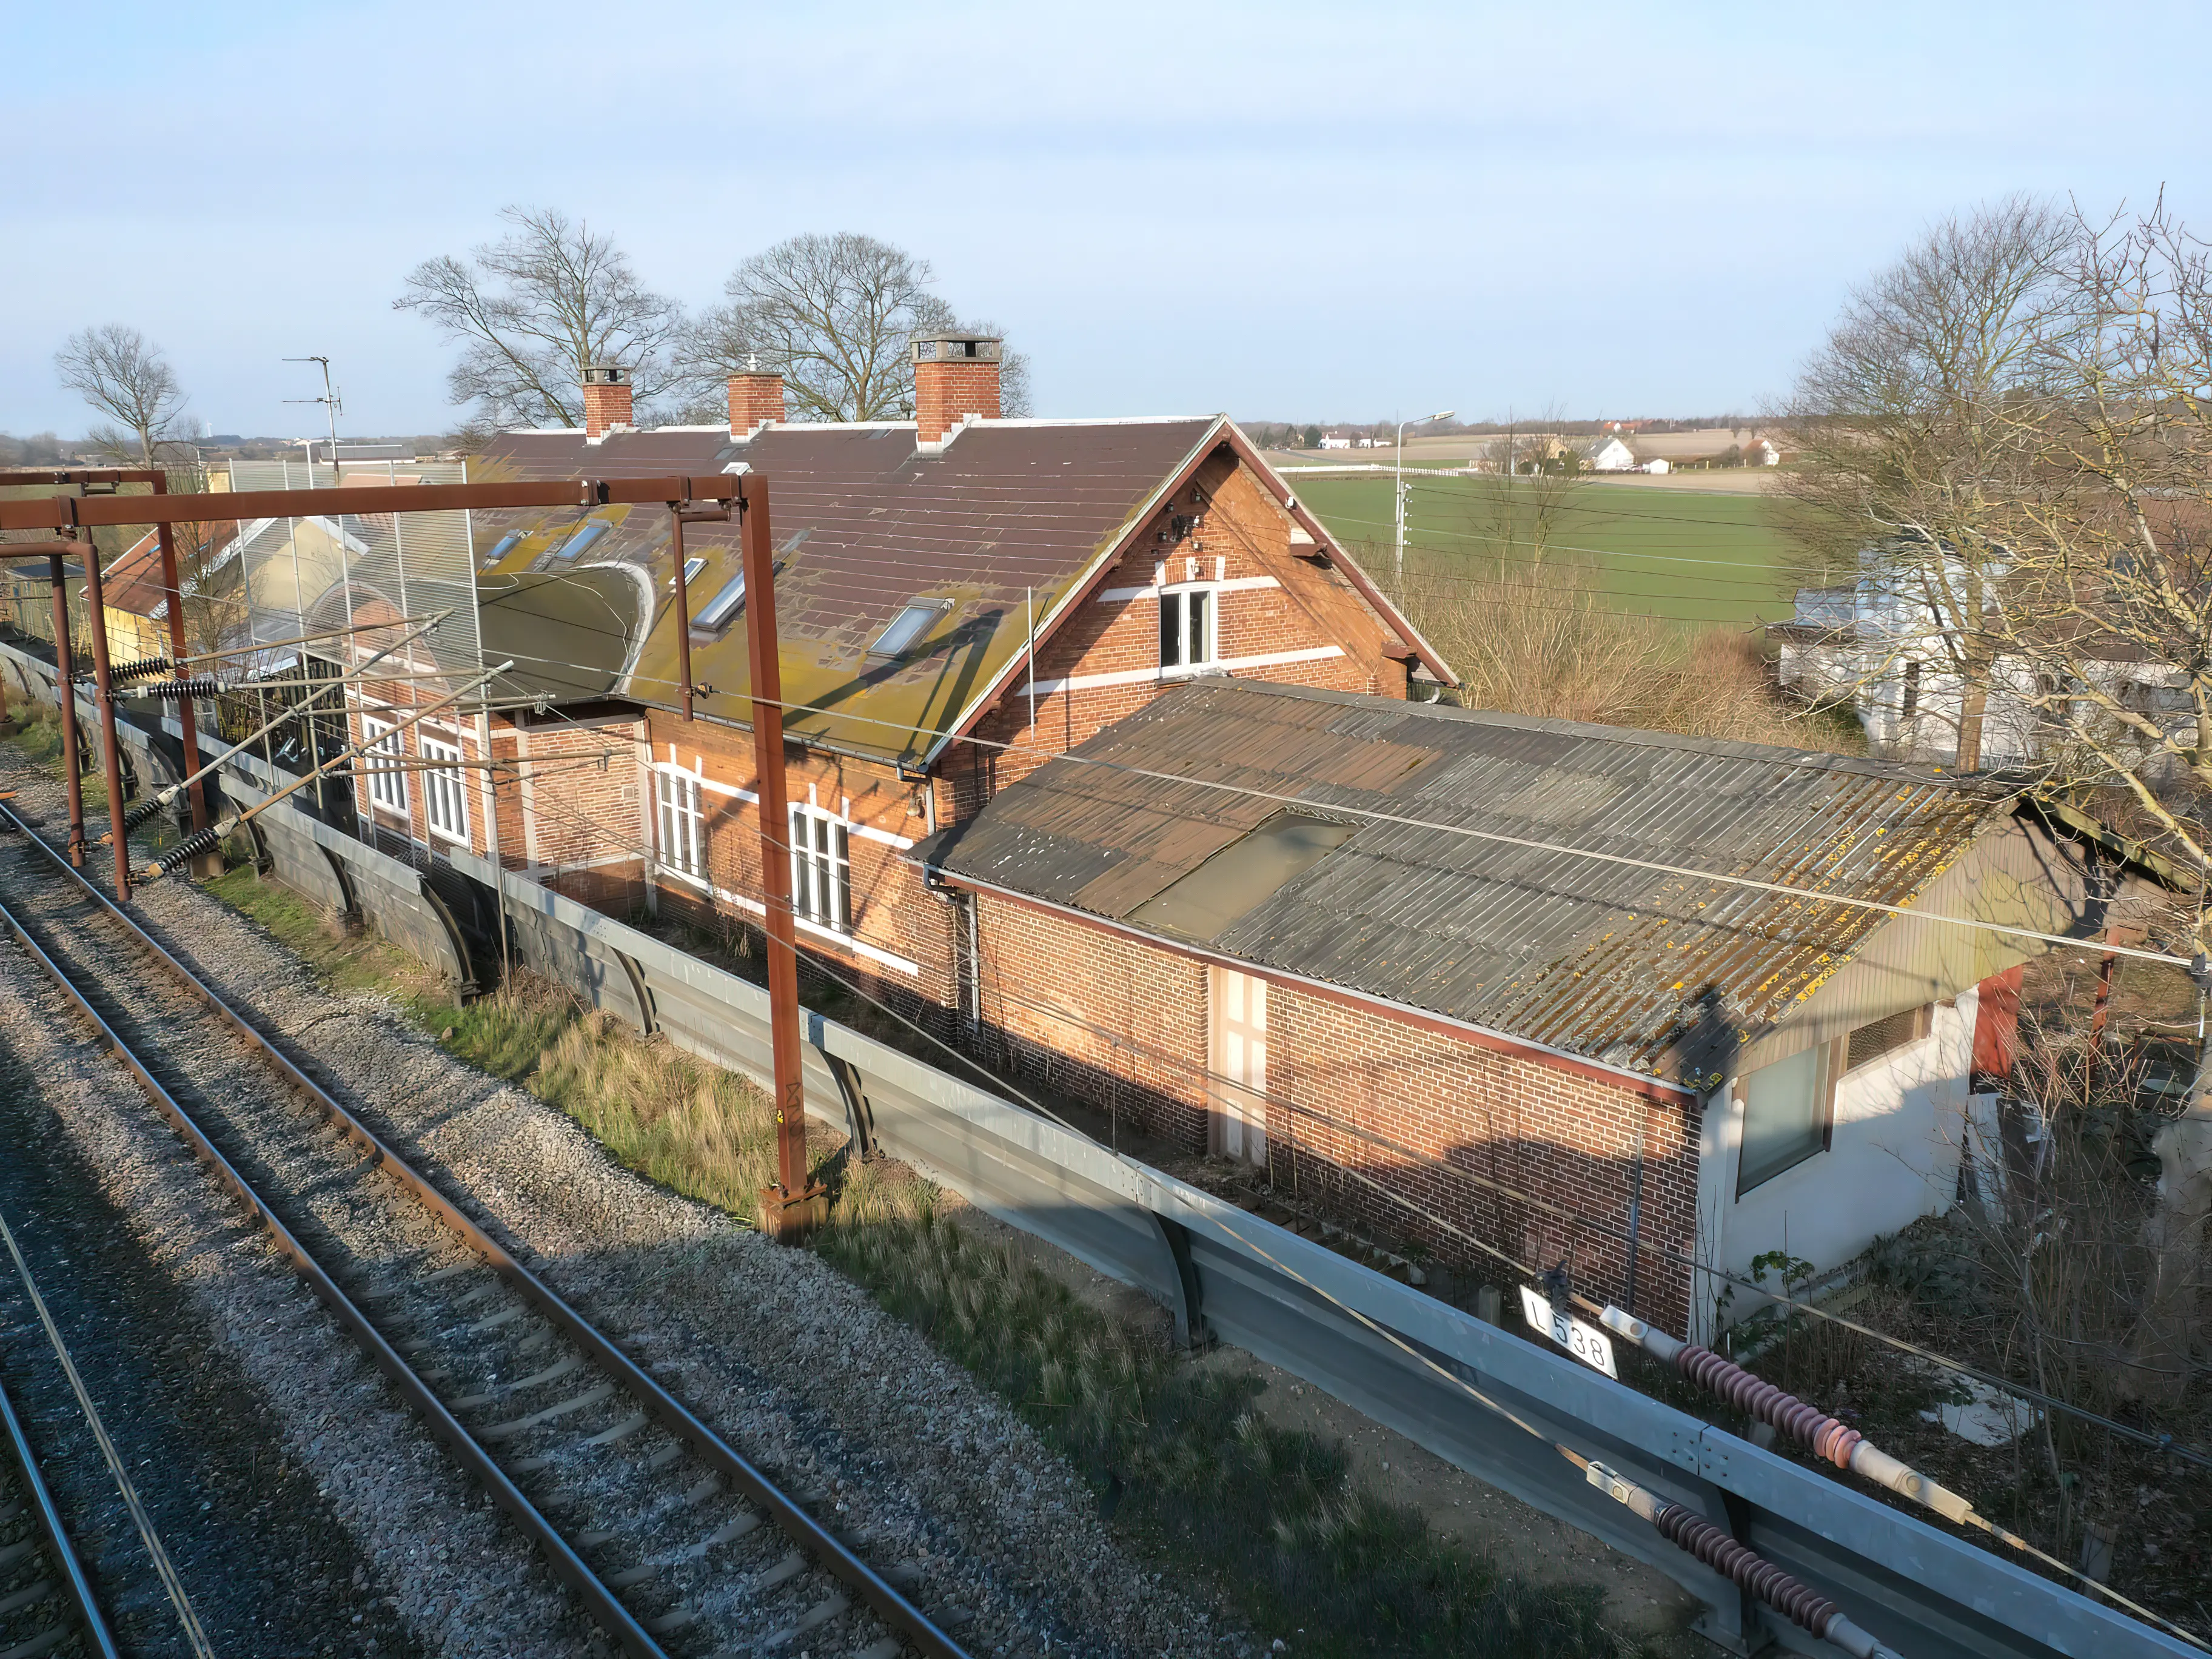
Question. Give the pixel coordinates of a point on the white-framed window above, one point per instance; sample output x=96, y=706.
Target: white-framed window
x=683, y=824
x=821, y=867
x=444, y=797
x=387, y=785
x=1189, y=626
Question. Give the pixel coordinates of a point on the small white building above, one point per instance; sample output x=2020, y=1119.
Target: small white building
x=1760, y=452
x=1336, y=440
x=1656, y=467
x=1609, y=455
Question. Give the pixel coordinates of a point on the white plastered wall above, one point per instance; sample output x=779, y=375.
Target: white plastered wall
x=1892, y=1157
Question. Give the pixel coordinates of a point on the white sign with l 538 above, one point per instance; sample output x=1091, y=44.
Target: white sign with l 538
x=1586, y=1342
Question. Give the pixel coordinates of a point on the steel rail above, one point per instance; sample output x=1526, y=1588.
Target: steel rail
x=884, y=1599
x=96, y=1634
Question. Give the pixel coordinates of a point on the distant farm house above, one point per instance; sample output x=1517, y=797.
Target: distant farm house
x=1761, y=453
x=1336, y=440
x=1609, y=455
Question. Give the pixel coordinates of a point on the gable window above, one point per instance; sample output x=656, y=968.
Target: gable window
x=822, y=868
x=1787, y=1108
x=387, y=785
x=1870, y=1043
x=444, y=802
x=1187, y=632
x=683, y=824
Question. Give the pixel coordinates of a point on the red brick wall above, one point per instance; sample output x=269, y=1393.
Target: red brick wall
x=605, y=406
x=946, y=390
x=1237, y=532
x=892, y=911
x=1122, y=1025
x=754, y=398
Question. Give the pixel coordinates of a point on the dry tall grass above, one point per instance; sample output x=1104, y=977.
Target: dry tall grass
x=1538, y=639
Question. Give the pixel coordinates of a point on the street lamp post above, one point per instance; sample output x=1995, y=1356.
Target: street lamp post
x=1441, y=414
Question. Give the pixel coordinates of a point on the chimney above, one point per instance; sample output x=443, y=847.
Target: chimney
x=954, y=375
x=606, y=401
x=756, y=398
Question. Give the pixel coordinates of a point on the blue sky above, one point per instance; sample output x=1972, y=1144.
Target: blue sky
x=1334, y=212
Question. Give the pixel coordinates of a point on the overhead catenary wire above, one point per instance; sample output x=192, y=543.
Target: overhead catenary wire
x=1685, y=1259
x=164, y=1570
x=1811, y=896
x=1775, y=1587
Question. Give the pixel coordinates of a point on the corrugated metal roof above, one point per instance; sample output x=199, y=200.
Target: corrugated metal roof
x=1659, y=974
x=872, y=524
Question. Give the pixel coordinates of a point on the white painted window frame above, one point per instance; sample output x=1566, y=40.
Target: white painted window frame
x=821, y=866
x=387, y=786
x=445, y=796
x=681, y=814
x=1172, y=594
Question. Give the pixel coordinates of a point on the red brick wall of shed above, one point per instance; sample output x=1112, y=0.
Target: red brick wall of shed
x=1122, y=1026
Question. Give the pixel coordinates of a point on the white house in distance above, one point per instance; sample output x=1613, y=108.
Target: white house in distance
x=1761, y=453
x=1609, y=454
x=1336, y=440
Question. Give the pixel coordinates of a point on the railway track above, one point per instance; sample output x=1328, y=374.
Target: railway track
x=672, y=1540
x=46, y=1598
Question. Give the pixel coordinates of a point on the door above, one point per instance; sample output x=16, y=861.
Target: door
x=1239, y=1020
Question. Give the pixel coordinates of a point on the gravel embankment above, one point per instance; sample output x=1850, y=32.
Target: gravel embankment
x=791, y=1362
x=303, y=1506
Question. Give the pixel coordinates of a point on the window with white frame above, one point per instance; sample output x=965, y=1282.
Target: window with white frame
x=683, y=824
x=387, y=785
x=445, y=798
x=822, y=868
x=1188, y=626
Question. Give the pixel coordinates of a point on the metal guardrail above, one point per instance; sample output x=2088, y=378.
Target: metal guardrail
x=1927, y=1594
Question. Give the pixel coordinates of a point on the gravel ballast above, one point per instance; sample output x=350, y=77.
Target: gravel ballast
x=791, y=1362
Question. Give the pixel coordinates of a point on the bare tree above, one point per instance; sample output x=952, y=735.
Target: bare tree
x=835, y=316
x=117, y=371
x=535, y=308
x=1906, y=425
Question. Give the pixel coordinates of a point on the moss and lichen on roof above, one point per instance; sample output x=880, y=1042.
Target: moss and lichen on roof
x=1463, y=886
x=865, y=525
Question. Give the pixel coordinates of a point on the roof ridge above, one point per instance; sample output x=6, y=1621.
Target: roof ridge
x=1632, y=736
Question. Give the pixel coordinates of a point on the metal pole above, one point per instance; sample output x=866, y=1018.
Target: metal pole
x=187, y=715
x=65, y=683
x=110, y=752
x=1399, y=561
x=791, y=1207
x=684, y=604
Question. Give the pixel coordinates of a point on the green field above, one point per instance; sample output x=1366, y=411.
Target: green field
x=1683, y=557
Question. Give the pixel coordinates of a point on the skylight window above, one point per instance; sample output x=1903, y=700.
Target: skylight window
x=1204, y=902
x=724, y=605
x=909, y=627
x=504, y=546
x=691, y=569
x=582, y=539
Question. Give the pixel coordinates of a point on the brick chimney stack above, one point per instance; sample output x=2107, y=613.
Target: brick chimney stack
x=756, y=398
x=954, y=375
x=606, y=401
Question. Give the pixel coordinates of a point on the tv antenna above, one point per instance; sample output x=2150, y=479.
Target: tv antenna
x=330, y=401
